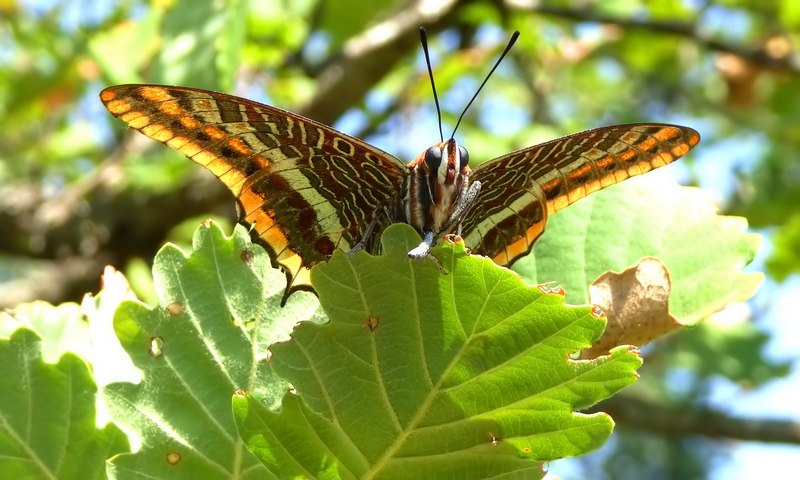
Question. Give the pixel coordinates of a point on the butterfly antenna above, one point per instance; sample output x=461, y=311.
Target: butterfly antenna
x=423, y=38
x=511, y=42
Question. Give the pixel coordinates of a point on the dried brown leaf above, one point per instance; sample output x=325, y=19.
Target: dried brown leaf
x=636, y=303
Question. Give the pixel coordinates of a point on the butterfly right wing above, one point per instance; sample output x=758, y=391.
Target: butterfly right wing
x=520, y=190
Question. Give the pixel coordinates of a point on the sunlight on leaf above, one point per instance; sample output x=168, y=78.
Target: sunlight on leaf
x=61, y=328
x=218, y=312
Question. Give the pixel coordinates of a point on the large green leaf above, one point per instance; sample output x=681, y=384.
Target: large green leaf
x=649, y=216
x=208, y=338
x=458, y=375
x=47, y=415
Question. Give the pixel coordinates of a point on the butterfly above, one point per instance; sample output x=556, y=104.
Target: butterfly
x=306, y=189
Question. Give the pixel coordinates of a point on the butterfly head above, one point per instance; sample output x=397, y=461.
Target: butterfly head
x=438, y=177
x=445, y=163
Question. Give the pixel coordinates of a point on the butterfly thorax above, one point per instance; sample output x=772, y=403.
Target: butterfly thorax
x=438, y=181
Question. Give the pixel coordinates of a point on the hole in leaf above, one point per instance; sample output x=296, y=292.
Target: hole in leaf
x=551, y=288
x=156, y=347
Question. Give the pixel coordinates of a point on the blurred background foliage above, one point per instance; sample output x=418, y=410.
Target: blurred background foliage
x=79, y=191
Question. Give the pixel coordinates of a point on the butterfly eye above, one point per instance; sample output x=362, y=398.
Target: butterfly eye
x=462, y=152
x=433, y=158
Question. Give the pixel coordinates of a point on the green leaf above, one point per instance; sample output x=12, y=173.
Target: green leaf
x=295, y=443
x=61, y=328
x=176, y=44
x=207, y=339
x=458, y=375
x=47, y=415
x=230, y=42
x=106, y=46
x=649, y=216
x=190, y=32
x=110, y=363
x=784, y=259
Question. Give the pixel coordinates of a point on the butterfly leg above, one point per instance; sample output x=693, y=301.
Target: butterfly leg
x=423, y=249
x=370, y=227
x=465, y=200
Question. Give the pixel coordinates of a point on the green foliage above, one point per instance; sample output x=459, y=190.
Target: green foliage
x=785, y=258
x=459, y=372
x=48, y=411
x=181, y=51
x=612, y=229
x=698, y=351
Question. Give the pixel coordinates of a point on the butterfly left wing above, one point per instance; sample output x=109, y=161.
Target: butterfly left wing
x=520, y=190
x=305, y=188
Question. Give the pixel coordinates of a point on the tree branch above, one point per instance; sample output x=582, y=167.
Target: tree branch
x=685, y=420
x=368, y=57
x=52, y=281
x=760, y=56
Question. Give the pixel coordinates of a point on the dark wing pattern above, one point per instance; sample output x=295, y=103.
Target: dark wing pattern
x=305, y=188
x=520, y=190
